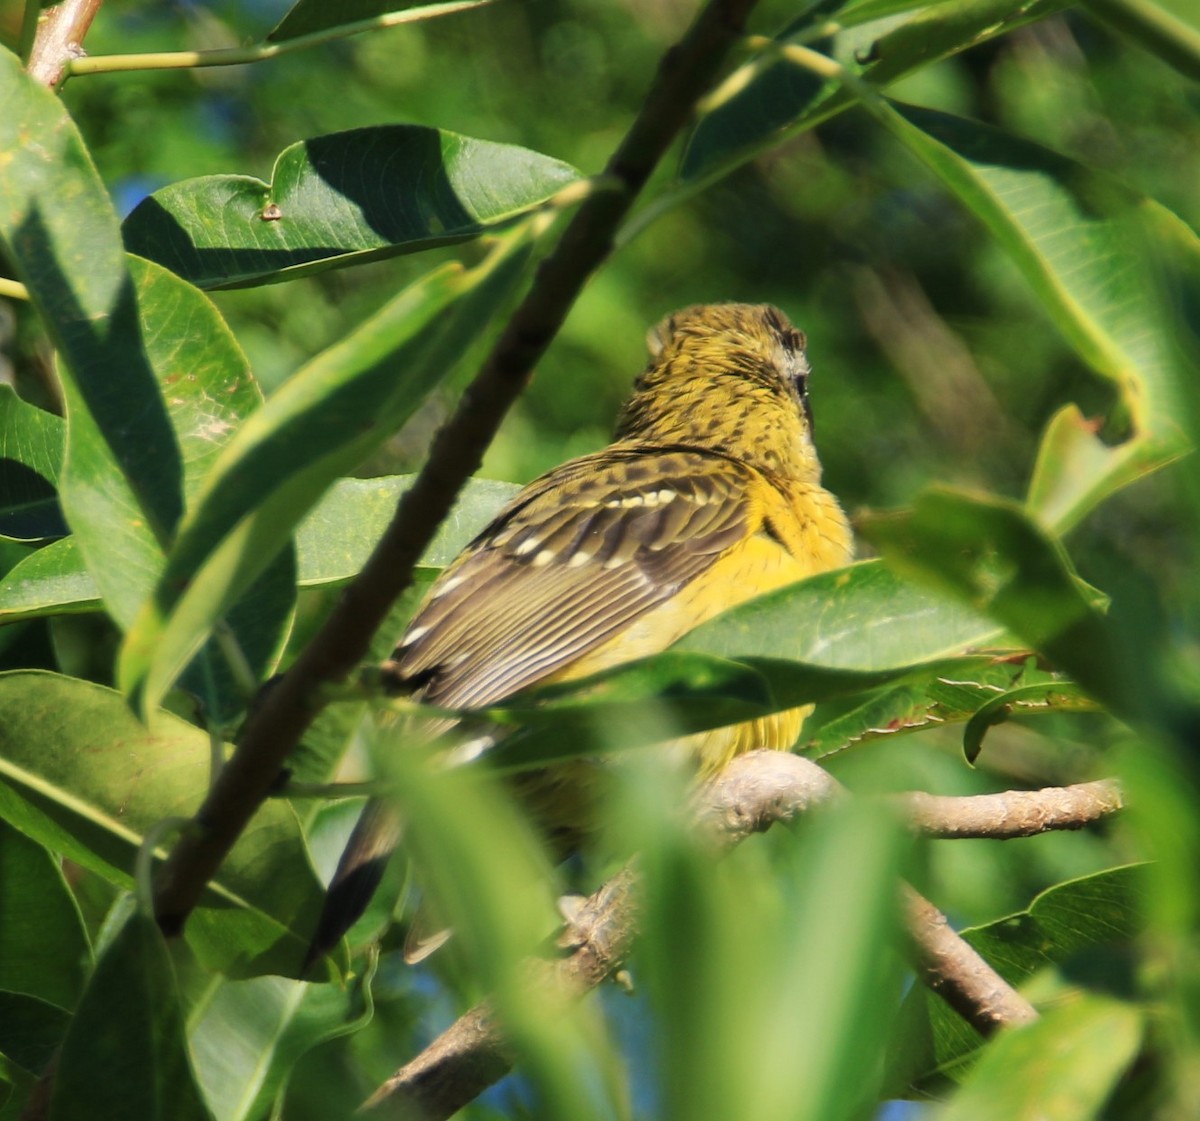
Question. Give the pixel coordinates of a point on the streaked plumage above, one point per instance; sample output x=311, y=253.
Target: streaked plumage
x=708, y=496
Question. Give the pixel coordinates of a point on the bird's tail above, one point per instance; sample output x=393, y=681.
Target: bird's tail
x=358, y=874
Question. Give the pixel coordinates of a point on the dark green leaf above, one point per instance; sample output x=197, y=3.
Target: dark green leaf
x=30, y=1030
x=125, y=1054
x=339, y=200
x=951, y=694
x=1025, y=700
x=44, y=949
x=31, y=452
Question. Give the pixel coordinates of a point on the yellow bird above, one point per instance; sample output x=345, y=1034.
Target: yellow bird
x=710, y=494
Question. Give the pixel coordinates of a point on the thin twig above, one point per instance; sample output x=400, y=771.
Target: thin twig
x=259, y=52
x=285, y=711
x=752, y=793
x=59, y=39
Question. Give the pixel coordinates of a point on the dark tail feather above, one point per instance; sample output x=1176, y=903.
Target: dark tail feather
x=358, y=874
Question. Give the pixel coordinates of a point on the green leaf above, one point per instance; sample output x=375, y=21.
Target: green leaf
x=208, y=390
x=336, y=537
x=765, y=972
x=950, y=694
x=251, y=1034
x=31, y=453
x=1073, y=234
x=340, y=200
x=781, y=99
x=1076, y=470
x=1169, y=31
x=135, y=447
x=332, y=543
x=993, y=556
x=125, y=1054
x=1064, y=924
x=81, y=775
x=30, y=1030
x=1062, y=1068
x=1026, y=700
x=837, y=633
x=862, y=618
x=59, y=229
x=44, y=950
x=322, y=422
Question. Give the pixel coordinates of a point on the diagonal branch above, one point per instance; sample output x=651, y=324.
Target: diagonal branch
x=752, y=793
x=284, y=712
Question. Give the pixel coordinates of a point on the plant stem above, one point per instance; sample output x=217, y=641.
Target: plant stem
x=259, y=52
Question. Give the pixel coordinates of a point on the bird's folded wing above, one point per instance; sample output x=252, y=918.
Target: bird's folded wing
x=578, y=557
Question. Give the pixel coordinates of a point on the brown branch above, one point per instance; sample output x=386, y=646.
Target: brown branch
x=469, y=1057
x=284, y=712
x=1013, y=813
x=59, y=39
x=956, y=972
x=752, y=793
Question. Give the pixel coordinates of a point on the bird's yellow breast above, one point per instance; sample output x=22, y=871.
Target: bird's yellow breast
x=798, y=536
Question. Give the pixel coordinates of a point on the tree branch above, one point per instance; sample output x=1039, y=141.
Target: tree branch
x=284, y=712
x=1013, y=813
x=753, y=792
x=59, y=38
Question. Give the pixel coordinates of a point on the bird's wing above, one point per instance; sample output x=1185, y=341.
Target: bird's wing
x=577, y=557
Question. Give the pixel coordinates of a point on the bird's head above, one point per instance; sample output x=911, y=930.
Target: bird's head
x=730, y=377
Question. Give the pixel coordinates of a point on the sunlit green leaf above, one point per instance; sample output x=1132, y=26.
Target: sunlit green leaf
x=1073, y=234
x=82, y=776
x=320, y=425
x=1076, y=470
x=782, y=99
x=338, y=200
x=59, y=229
x=336, y=537
x=332, y=543
x=837, y=633
x=252, y=1033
